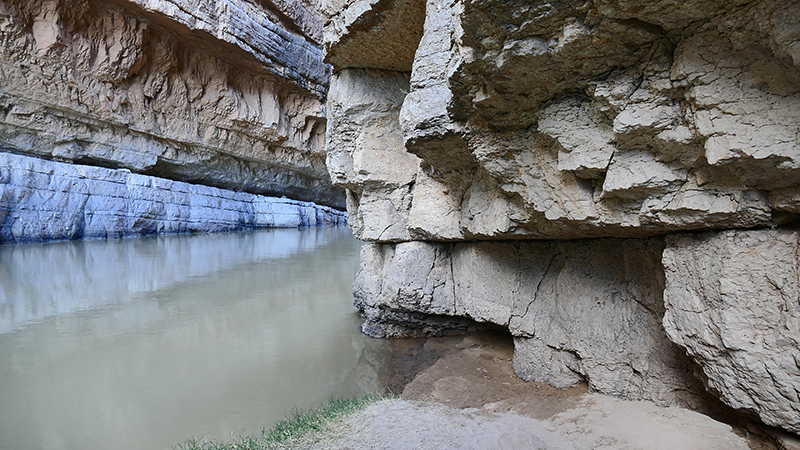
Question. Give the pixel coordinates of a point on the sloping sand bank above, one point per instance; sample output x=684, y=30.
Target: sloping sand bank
x=460, y=393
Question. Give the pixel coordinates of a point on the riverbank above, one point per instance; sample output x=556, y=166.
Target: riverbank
x=461, y=393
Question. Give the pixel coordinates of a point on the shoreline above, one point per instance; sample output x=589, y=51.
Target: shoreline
x=470, y=379
x=460, y=392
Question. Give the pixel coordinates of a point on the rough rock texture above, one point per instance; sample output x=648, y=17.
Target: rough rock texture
x=562, y=120
x=379, y=34
x=276, y=37
x=733, y=302
x=585, y=121
x=227, y=93
x=44, y=200
x=579, y=311
x=366, y=154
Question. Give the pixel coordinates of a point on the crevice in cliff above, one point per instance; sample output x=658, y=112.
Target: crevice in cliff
x=452, y=279
x=515, y=320
x=387, y=322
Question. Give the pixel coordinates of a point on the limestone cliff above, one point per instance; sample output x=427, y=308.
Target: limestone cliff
x=46, y=200
x=516, y=128
x=226, y=93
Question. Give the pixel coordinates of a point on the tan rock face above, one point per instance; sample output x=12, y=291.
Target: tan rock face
x=229, y=94
x=366, y=154
x=570, y=120
x=579, y=311
x=586, y=121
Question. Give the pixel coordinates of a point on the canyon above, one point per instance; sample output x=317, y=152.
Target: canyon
x=615, y=183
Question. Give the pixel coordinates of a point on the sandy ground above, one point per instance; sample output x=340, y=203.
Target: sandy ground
x=595, y=422
x=461, y=393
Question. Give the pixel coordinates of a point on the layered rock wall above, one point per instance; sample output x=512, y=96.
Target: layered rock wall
x=538, y=165
x=579, y=310
x=46, y=200
x=608, y=127
x=227, y=93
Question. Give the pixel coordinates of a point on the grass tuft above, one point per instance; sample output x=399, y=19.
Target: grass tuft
x=300, y=426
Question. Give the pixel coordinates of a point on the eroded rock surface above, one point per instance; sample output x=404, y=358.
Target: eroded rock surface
x=45, y=200
x=579, y=311
x=732, y=302
x=226, y=93
x=562, y=120
x=584, y=121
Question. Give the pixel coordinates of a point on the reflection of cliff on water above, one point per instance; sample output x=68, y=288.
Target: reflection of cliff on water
x=42, y=280
x=143, y=343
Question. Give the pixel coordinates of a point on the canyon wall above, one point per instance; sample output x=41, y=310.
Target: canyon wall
x=616, y=183
x=227, y=93
x=47, y=200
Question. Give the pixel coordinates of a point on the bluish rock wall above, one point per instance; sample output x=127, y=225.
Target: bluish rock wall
x=47, y=200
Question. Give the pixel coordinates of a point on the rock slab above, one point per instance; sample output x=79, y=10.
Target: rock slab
x=732, y=302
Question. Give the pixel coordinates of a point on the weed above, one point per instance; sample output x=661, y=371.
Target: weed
x=299, y=426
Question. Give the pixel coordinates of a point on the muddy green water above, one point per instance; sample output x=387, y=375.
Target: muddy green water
x=144, y=343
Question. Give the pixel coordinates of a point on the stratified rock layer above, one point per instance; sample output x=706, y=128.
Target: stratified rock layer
x=571, y=120
x=226, y=93
x=579, y=311
x=44, y=200
x=577, y=120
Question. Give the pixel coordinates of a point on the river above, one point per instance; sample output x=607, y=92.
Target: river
x=144, y=343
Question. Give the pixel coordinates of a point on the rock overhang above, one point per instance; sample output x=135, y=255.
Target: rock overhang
x=228, y=93
x=521, y=123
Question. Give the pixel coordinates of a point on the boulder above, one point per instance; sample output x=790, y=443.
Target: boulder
x=732, y=302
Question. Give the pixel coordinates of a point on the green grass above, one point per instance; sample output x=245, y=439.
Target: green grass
x=301, y=425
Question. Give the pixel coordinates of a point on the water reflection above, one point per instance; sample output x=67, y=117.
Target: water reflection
x=142, y=343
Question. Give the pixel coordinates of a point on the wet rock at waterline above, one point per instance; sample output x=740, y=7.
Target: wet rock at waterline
x=46, y=200
x=557, y=121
